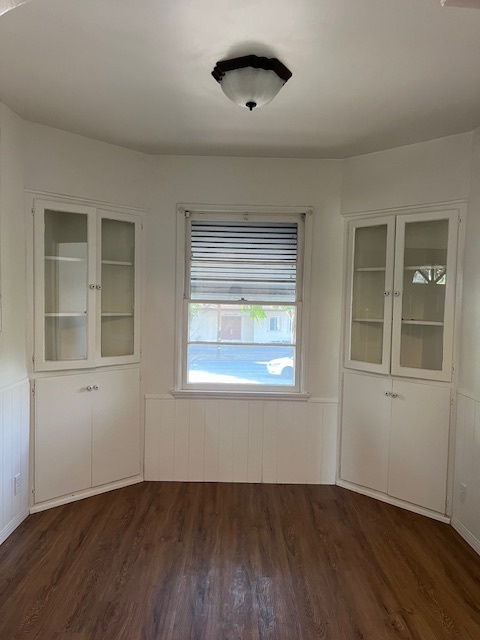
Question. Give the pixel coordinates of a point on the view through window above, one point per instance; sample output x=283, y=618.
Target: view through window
x=242, y=301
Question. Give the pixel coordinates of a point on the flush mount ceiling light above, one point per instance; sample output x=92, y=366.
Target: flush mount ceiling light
x=251, y=81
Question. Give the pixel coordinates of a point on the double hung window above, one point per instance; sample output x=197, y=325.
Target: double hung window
x=241, y=309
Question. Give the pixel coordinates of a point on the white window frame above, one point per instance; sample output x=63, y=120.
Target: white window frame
x=260, y=214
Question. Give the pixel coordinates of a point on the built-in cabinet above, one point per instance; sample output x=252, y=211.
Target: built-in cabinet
x=86, y=378
x=86, y=431
x=395, y=436
x=401, y=294
x=399, y=332
x=86, y=286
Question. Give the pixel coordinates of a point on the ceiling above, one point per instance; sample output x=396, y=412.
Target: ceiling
x=367, y=74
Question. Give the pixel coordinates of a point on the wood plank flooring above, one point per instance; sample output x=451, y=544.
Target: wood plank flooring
x=180, y=561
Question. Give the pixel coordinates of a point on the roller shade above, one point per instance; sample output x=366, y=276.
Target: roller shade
x=249, y=261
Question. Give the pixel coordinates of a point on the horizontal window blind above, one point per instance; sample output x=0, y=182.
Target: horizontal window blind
x=249, y=261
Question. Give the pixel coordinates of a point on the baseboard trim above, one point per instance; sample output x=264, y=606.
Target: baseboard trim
x=13, y=524
x=466, y=535
x=86, y=493
x=371, y=493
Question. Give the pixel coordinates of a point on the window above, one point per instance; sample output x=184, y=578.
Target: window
x=241, y=301
x=242, y=297
x=275, y=323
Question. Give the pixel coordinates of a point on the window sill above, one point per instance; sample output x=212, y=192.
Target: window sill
x=240, y=395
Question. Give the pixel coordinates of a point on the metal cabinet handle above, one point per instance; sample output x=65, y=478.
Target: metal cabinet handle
x=99, y=286
x=394, y=395
x=388, y=393
x=89, y=387
x=397, y=293
x=91, y=286
x=386, y=293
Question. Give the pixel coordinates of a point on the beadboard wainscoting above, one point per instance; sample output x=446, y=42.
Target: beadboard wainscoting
x=466, y=497
x=14, y=455
x=271, y=441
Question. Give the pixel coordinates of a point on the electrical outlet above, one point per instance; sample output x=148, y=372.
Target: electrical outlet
x=463, y=492
x=16, y=484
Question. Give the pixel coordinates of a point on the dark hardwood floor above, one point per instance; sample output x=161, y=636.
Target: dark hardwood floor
x=174, y=561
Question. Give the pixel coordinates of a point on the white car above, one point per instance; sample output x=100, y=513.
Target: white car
x=281, y=367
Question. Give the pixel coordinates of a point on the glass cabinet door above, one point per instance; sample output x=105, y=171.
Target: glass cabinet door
x=118, y=276
x=64, y=310
x=424, y=295
x=369, y=301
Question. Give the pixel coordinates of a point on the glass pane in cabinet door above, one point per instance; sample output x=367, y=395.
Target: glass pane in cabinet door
x=423, y=297
x=118, y=288
x=65, y=292
x=368, y=299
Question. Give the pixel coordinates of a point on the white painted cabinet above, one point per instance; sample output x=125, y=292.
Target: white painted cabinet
x=87, y=431
x=395, y=438
x=401, y=294
x=419, y=437
x=87, y=281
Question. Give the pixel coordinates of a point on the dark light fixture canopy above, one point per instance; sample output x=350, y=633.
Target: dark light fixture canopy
x=251, y=81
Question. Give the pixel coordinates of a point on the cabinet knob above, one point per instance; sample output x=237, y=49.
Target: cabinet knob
x=397, y=293
x=89, y=387
x=394, y=395
x=91, y=286
x=95, y=386
x=386, y=293
x=388, y=393
x=99, y=286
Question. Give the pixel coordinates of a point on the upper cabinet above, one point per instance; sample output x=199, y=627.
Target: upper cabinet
x=87, y=283
x=401, y=294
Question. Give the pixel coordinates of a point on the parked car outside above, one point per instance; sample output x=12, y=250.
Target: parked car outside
x=281, y=367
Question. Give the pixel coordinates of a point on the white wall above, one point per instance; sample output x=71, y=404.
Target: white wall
x=466, y=515
x=169, y=445
x=424, y=173
x=244, y=181
x=14, y=392
x=65, y=163
x=434, y=171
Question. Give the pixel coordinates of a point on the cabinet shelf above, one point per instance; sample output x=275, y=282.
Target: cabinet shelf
x=76, y=314
x=361, y=269
x=118, y=263
x=424, y=266
x=378, y=320
x=117, y=315
x=425, y=323
x=64, y=259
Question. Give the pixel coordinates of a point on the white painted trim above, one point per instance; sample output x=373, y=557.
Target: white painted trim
x=76, y=199
x=86, y=493
x=14, y=385
x=377, y=495
x=304, y=248
x=466, y=393
x=466, y=534
x=431, y=206
x=238, y=395
x=183, y=208
x=13, y=524
x=241, y=396
x=158, y=396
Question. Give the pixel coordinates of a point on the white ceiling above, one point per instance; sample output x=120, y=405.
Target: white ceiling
x=367, y=74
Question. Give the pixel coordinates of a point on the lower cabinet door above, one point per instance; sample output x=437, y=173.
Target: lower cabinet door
x=366, y=430
x=115, y=426
x=419, y=444
x=63, y=439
